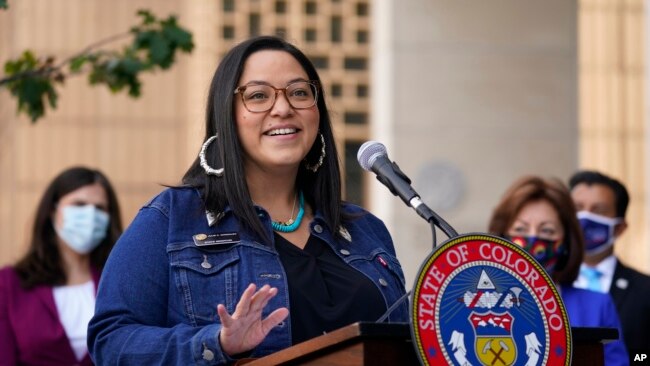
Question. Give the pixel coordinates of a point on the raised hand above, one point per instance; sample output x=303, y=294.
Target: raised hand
x=245, y=328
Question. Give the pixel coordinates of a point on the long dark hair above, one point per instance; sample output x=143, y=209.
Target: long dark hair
x=529, y=189
x=42, y=265
x=322, y=189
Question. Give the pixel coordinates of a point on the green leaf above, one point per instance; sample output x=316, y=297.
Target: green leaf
x=112, y=64
x=3, y=4
x=131, y=65
x=31, y=80
x=142, y=39
x=180, y=37
x=147, y=16
x=27, y=62
x=77, y=62
x=31, y=94
x=52, y=97
x=160, y=51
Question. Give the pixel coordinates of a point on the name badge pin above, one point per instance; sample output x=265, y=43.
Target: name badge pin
x=219, y=239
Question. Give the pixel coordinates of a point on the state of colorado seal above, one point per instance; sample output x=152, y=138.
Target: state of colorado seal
x=482, y=300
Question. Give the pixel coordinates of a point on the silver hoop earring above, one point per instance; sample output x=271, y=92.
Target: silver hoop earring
x=314, y=168
x=204, y=163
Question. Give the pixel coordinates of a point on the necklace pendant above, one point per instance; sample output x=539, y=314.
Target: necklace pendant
x=293, y=224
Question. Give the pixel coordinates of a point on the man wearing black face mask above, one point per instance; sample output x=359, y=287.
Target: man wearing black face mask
x=601, y=203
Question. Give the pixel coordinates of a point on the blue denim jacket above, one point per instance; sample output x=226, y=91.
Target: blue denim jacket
x=158, y=295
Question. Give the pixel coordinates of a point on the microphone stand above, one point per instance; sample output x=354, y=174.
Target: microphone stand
x=424, y=211
x=435, y=221
x=390, y=310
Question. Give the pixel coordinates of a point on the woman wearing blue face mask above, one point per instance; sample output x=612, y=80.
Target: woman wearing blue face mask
x=539, y=215
x=48, y=296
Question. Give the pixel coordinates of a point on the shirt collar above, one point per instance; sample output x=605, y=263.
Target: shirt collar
x=606, y=267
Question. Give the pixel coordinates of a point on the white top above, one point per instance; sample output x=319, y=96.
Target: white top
x=606, y=267
x=76, y=305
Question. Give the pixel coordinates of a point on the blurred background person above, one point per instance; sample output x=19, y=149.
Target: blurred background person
x=601, y=202
x=48, y=296
x=538, y=214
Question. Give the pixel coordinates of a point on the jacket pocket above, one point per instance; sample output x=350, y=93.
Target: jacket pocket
x=204, y=279
x=385, y=271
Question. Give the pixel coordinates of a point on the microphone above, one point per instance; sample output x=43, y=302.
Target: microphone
x=372, y=156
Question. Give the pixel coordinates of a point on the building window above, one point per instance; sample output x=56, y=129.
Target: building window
x=355, y=63
x=353, y=174
x=280, y=7
x=362, y=9
x=281, y=32
x=228, y=6
x=356, y=118
x=228, y=32
x=254, y=24
x=337, y=90
x=310, y=7
x=362, y=37
x=310, y=35
x=320, y=62
x=362, y=91
x=336, y=25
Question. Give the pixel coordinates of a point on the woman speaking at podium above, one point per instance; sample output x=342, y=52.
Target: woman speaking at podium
x=539, y=215
x=256, y=251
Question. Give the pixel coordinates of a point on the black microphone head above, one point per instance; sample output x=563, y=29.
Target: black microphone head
x=369, y=152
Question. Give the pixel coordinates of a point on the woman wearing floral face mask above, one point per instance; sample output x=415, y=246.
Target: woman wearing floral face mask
x=539, y=215
x=48, y=297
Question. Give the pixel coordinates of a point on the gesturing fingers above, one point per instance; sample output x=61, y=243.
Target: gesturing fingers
x=245, y=328
x=244, y=304
x=241, y=309
x=250, y=305
x=274, y=319
x=261, y=298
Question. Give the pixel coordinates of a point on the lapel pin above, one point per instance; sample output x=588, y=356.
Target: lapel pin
x=345, y=233
x=214, y=218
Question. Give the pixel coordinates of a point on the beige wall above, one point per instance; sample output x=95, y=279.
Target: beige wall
x=483, y=92
x=613, y=134
x=139, y=144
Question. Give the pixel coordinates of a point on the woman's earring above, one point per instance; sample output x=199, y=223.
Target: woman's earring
x=314, y=168
x=204, y=163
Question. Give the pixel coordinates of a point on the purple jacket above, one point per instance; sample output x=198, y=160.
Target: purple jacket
x=30, y=330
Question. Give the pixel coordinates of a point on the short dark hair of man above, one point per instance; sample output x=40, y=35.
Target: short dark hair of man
x=591, y=177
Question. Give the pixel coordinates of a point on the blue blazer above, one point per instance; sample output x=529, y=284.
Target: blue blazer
x=594, y=309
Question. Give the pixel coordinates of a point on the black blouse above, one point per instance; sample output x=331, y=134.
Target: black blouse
x=324, y=292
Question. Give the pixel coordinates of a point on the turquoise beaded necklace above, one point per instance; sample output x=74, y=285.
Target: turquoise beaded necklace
x=291, y=225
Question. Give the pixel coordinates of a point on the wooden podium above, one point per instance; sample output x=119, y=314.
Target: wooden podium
x=390, y=344
x=588, y=344
x=356, y=344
